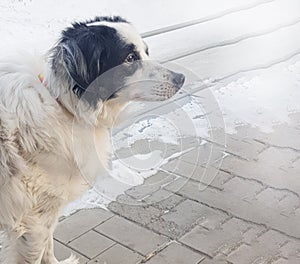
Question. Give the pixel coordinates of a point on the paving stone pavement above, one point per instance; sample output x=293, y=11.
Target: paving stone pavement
x=248, y=212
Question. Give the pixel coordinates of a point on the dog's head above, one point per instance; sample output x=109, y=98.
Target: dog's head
x=106, y=58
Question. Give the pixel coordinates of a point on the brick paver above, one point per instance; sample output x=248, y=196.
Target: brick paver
x=79, y=223
x=117, y=254
x=91, y=244
x=131, y=235
x=176, y=254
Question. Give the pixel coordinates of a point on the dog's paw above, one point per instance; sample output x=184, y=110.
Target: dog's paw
x=71, y=260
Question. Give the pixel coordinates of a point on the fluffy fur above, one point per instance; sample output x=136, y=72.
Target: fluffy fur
x=54, y=135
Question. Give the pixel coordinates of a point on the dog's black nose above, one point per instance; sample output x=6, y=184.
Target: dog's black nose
x=178, y=79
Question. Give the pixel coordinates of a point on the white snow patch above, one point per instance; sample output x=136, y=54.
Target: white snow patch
x=261, y=101
x=122, y=177
x=187, y=120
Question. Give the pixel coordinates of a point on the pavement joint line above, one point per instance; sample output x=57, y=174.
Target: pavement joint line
x=105, y=249
x=232, y=41
x=156, y=251
x=216, y=143
x=194, y=250
x=70, y=241
x=264, y=231
x=192, y=180
x=236, y=155
x=283, y=197
x=120, y=243
x=246, y=179
x=229, y=178
x=176, y=204
x=277, y=146
x=263, y=188
x=232, y=153
x=74, y=249
x=62, y=218
x=263, y=184
x=183, y=152
x=131, y=196
x=296, y=159
x=103, y=221
x=226, y=220
x=240, y=218
x=262, y=150
x=204, y=20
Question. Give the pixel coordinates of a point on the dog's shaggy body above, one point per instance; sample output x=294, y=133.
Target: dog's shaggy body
x=54, y=141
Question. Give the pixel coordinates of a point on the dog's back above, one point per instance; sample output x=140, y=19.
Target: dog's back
x=20, y=103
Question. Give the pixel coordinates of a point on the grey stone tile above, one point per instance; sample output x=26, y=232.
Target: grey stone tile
x=176, y=254
x=116, y=255
x=241, y=197
x=207, y=175
x=79, y=223
x=290, y=139
x=131, y=235
x=140, y=213
x=91, y=244
x=206, y=153
x=274, y=167
x=244, y=147
x=62, y=252
x=163, y=200
x=215, y=260
x=221, y=240
x=286, y=261
x=286, y=203
x=182, y=218
x=151, y=184
x=291, y=250
x=267, y=247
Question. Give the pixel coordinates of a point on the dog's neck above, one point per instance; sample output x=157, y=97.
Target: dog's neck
x=104, y=114
x=45, y=84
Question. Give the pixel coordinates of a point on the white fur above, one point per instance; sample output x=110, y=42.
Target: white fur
x=126, y=32
x=56, y=159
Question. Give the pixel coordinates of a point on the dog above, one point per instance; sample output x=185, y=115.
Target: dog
x=55, y=116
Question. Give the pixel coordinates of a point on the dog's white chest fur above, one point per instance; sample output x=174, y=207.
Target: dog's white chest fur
x=43, y=142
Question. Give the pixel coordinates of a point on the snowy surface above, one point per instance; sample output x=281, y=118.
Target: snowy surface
x=249, y=51
x=262, y=101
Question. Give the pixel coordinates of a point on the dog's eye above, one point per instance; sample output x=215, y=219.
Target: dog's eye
x=130, y=58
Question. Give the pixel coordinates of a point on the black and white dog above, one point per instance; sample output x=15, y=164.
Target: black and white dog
x=55, y=116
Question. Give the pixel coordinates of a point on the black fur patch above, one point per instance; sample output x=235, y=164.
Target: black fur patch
x=88, y=51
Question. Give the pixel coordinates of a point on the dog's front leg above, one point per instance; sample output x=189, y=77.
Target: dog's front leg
x=27, y=248
x=49, y=257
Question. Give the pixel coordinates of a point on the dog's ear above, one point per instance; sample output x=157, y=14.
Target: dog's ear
x=81, y=57
x=74, y=63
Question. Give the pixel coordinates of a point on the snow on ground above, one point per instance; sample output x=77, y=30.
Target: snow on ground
x=261, y=99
